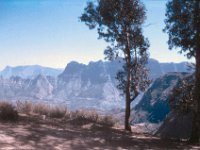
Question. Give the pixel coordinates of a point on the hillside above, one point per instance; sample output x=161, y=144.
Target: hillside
x=154, y=105
x=178, y=123
x=32, y=132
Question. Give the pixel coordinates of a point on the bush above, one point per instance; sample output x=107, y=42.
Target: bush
x=84, y=117
x=41, y=109
x=81, y=117
x=57, y=112
x=107, y=121
x=24, y=107
x=52, y=112
x=8, y=112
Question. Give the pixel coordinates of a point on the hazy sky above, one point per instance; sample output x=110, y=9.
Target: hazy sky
x=49, y=33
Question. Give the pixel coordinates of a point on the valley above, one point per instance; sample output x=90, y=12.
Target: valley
x=91, y=86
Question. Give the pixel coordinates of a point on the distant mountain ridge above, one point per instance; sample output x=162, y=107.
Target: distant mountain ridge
x=78, y=86
x=30, y=71
x=158, y=69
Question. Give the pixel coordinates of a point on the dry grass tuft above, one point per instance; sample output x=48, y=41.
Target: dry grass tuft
x=76, y=118
x=57, y=112
x=8, y=112
x=107, y=121
x=24, y=107
x=41, y=109
x=82, y=117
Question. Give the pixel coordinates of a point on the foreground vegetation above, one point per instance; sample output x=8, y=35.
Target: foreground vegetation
x=10, y=112
x=40, y=126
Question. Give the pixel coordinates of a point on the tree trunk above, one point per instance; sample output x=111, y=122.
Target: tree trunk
x=128, y=87
x=128, y=102
x=196, y=111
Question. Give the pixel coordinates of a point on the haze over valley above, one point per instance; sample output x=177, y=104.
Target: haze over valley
x=77, y=86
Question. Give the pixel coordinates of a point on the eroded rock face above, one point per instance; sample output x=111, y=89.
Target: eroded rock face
x=154, y=105
x=78, y=86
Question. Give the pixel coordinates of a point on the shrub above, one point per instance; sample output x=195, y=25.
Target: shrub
x=81, y=117
x=8, y=112
x=57, y=112
x=84, y=117
x=24, y=107
x=49, y=111
x=40, y=109
x=106, y=121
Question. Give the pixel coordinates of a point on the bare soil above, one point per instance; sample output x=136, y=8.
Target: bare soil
x=32, y=132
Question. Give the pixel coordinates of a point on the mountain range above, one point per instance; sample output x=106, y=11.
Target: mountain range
x=30, y=71
x=77, y=86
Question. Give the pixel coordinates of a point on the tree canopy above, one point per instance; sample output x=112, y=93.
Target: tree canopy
x=183, y=27
x=119, y=22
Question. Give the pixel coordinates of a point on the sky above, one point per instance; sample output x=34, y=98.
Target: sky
x=49, y=33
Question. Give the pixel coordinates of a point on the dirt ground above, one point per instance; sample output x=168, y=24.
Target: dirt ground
x=51, y=134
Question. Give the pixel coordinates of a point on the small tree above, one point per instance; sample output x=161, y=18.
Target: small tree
x=182, y=96
x=183, y=27
x=119, y=22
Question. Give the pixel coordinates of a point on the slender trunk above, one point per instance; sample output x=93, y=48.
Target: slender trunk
x=128, y=108
x=196, y=111
x=198, y=68
x=128, y=87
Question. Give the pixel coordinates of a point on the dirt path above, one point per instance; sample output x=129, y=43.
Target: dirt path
x=37, y=134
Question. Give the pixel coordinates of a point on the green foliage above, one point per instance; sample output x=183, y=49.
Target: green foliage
x=182, y=94
x=183, y=27
x=119, y=22
x=180, y=25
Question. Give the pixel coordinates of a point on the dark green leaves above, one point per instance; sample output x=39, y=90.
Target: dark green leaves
x=180, y=17
x=119, y=22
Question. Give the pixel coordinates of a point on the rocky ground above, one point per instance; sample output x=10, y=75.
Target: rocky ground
x=37, y=133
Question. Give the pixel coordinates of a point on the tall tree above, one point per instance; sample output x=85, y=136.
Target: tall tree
x=119, y=22
x=183, y=27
